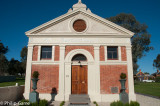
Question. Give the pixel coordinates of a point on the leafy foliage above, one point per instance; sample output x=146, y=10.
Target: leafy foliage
x=24, y=58
x=3, y=59
x=95, y=103
x=123, y=76
x=3, y=64
x=41, y=103
x=156, y=62
x=140, y=40
x=157, y=79
x=62, y=103
x=3, y=50
x=35, y=74
x=119, y=103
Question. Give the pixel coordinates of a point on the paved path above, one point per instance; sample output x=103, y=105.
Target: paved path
x=143, y=100
x=147, y=101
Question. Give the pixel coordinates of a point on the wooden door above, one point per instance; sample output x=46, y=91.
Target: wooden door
x=79, y=80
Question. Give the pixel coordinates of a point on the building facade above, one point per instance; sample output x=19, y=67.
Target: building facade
x=79, y=53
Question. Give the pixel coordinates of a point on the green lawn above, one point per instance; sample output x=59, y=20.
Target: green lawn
x=149, y=88
x=20, y=81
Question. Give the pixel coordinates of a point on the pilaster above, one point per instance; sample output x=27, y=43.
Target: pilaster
x=61, y=92
x=132, y=96
x=97, y=68
x=28, y=72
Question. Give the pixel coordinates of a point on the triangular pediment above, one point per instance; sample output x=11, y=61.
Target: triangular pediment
x=63, y=25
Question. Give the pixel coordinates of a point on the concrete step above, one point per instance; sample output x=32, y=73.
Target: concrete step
x=79, y=100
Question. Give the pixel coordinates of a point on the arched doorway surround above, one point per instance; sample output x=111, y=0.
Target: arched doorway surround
x=68, y=66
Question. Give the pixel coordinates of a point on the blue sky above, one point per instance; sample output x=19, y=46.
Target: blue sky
x=19, y=16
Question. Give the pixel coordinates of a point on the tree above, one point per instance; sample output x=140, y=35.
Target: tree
x=3, y=64
x=24, y=58
x=3, y=50
x=156, y=62
x=15, y=67
x=3, y=59
x=141, y=39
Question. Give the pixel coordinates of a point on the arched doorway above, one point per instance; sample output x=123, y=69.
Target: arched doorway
x=79, y=79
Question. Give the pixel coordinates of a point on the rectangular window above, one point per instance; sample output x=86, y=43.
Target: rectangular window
x=112, y=53
x=46, y=52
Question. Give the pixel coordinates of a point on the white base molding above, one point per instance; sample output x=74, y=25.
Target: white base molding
x=132, y=97
x=94, y=97
x=109, y=97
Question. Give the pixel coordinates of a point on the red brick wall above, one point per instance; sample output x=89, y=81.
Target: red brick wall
x=48, y=78
x=57, y=53
x=88, y=48
x=123, y=53
x=110, y=76
x=102, y=55
x=35, y=53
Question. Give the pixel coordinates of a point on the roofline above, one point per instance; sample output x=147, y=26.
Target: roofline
x=111, y=24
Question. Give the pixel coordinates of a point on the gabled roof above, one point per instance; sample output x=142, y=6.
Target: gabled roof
x=78, y=8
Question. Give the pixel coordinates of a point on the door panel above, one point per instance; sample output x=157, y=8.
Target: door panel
x=79, y=80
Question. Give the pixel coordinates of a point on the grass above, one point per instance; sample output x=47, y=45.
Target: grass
x=152, y=89
x=20, y=81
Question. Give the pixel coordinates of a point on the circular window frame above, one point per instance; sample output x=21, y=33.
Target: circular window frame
x=78, y=18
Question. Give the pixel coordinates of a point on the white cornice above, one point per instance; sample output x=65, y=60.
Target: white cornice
x=78, y=11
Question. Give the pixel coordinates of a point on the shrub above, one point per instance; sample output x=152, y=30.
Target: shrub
x=95, y=103
x=119, y=103
x=27, y=103
x=24, y=103
x=62, y=103
x=134, y=103
x=157, y=79
x=35, y=74
x=34, y=104
x=43, y=102
x=123, y=76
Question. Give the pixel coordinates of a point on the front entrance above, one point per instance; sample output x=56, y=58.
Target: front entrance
x=79, y=79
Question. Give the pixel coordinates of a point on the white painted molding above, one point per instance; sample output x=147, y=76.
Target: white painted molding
x=39, y=53
x=53, y=51
x=79, y=51
x=119, y=53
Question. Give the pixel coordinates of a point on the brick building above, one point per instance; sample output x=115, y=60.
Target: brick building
x=80, y=53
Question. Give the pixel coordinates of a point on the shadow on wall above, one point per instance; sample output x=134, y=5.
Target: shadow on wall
x=53, y=93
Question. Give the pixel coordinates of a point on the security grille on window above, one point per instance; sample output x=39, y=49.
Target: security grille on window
x=112, y=53
x=46, y=52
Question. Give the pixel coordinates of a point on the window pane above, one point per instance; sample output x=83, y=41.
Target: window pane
x=115, y=55
x=79, y=57
x=46, y=48
x=112, y=49
x=43, y=55
x=46, y=52
x=109, y=55
x=112, y=52
x=49, y=54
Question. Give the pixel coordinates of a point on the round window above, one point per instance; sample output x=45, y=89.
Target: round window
x=79, y=25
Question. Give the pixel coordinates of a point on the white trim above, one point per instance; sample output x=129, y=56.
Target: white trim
x=91, y=71
x=119, y=53
x=60, y=96
x=80, y=11
x=132, y=96
x=113, y=62
x=77, y=18
x=39, y=53
x=105, y=53
x=79, y=51
x=53, y=51
x=28, y=72
x=97, y=70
